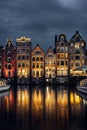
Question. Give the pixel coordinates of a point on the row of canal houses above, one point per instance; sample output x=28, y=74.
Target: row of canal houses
x=67, y=58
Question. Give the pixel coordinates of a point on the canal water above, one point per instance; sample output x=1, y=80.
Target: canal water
x=42, y=108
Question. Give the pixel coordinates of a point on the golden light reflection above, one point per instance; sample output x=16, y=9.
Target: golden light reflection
x=50, y=100
x=37, y=101
x=74, y=99
x=62, y=99
x=23, y=100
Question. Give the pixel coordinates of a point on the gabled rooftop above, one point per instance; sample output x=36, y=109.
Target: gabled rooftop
x=77, y=37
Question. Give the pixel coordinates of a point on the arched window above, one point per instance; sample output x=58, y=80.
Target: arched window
x=62, y=62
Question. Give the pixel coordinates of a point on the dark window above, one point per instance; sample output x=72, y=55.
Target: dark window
x=66, y=62
x=23, y=57
x=0, y=58
x=62, y=44
x=19, y=65
x=41, y=65
x=62, y=62
x=77, y=57
x=57, y=62
x=37, y=52
x=23, y=65
x=19, y=57
x=33, y=59
x=41, y=58
x=37, y=66
x=77, y=52
x=33, y=65
x=37, y=58
x=27, y=57
x=9, y=66
x=77, y=64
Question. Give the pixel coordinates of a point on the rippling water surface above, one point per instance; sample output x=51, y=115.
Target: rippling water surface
x=42, y=108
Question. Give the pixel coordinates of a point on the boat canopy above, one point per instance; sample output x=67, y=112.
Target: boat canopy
x=2, y=82
x=83, y=82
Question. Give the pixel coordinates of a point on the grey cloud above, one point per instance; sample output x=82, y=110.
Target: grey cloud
x=40, y=20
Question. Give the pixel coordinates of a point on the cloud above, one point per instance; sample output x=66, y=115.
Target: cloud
x=40, y=20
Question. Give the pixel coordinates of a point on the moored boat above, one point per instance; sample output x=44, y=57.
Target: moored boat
x=83, y=86
x=3, y=85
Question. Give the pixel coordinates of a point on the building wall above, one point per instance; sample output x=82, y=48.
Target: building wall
x=50, y=64
x=1, y=61
x=37, y=62
x=61, y=47
x=23, y=45
x=9, y=60
x=77, y=50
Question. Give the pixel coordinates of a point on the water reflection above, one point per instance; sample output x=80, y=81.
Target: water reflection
x=42, y=108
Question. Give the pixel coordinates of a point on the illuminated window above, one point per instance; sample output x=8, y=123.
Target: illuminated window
x=82, y=44
x=77, y=45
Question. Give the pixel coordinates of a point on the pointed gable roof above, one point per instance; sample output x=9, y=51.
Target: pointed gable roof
x=49, y=50
x=77, y=37
x=37, y=46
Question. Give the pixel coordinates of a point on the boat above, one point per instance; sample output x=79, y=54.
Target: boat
x=83, y=86
x=3, y=85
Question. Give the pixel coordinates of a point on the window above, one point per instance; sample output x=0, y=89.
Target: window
x=18, y=51
x=9, y=66
x=62, y=63
x=66, y=63
x=50, y=55
x=37, y=52
x=33, y=73
x=27, y=57
x=33, y=65
x=62, y=44
x=37, y=58
x=57, y=62
x=9, y=59
x=41, y=58
x=77, y=64
x=19, y=65
x=37, y=66
x=19, y=57
x=77, y=52
x=41, y=65
x=77, y=45
x=27, y=65
x=23, y=57
x=23, y=65
x=33, y=59
x=77, y=57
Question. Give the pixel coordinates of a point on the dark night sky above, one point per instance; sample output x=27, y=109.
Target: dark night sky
x=42, y=19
